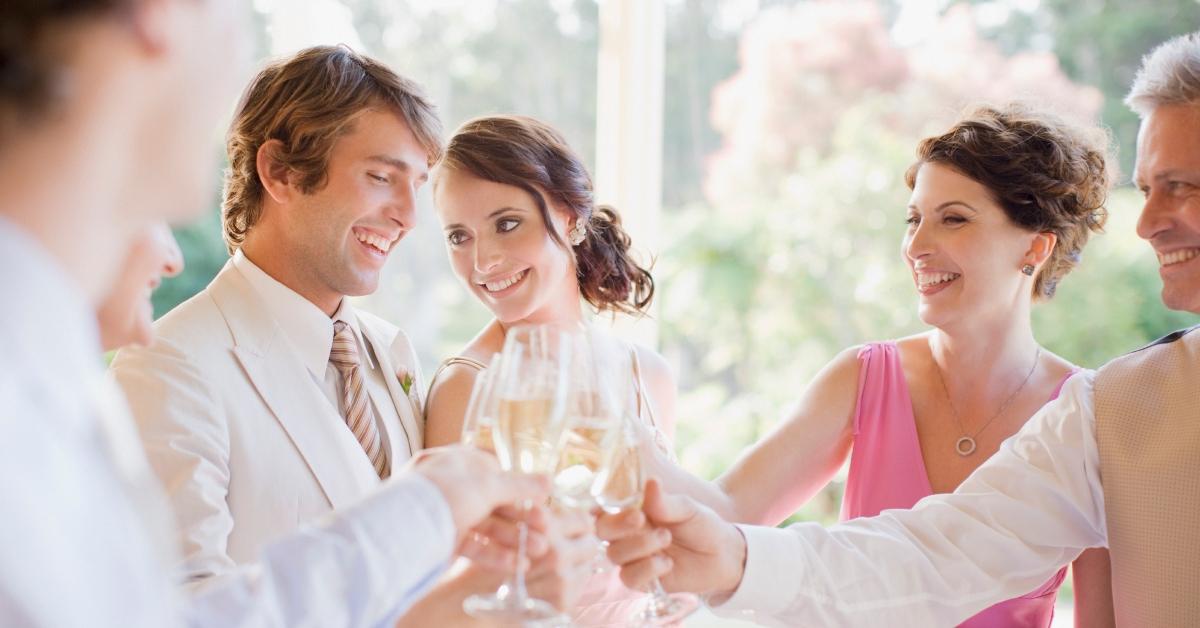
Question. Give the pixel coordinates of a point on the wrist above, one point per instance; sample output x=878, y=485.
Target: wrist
x=734, y=564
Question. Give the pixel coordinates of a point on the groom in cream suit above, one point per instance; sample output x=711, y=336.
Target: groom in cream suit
x=267, y=399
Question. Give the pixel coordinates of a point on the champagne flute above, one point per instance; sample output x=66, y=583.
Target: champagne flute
x=598, y=380
x=479, y=422
x=620, y=486
x=530, y=392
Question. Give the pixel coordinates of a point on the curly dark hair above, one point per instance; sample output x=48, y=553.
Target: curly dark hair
x=528, y=154
x=1047, y=175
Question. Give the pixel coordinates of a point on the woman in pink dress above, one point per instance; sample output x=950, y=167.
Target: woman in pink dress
x=1002, y=204
x=526, y=238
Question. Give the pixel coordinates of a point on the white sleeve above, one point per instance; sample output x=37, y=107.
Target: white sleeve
x=77, y=552
x=185, y=435
x=1026, y=512
x=366, y=564
x=363, y=566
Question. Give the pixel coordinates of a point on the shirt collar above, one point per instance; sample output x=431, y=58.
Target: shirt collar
x=308, y=329
x=346, y=314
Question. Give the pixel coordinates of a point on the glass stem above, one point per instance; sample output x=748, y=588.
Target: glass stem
x=519, y=580
x=517, y=590
x=660, y=602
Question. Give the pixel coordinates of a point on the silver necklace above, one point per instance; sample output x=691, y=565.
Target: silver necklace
x=965, y=445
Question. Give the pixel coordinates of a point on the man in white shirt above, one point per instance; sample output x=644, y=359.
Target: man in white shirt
x=1114, y=462
x=105, y=109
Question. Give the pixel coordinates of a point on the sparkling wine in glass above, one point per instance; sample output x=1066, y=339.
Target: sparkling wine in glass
x=599, y=381
x=529, y=391
x=526, y=435
x=620, y=486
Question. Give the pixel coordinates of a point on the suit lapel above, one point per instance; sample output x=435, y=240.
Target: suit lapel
x=408, y=411
x=297, y=403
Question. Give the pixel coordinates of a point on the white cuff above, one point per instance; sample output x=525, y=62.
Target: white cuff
x=772, y=560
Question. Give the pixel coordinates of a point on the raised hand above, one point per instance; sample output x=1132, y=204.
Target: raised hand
x=561, y=550
x=473, y=485
x=678, y=540
x=558, y=575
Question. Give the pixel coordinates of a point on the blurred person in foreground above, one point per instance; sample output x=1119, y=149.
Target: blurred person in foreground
x=106, y=107
x=126, y=314
x=1113, y=462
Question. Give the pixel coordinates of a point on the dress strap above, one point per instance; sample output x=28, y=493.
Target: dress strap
x=458, y=359
x=882, y=392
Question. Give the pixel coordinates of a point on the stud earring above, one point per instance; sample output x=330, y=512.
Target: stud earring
x=1028, y=269
x=578, y=233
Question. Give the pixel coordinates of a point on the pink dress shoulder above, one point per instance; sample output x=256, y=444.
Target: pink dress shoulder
x=887, y=470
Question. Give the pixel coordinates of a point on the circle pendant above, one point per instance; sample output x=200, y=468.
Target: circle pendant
x=965, y=446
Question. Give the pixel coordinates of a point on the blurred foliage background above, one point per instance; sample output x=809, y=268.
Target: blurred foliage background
x=788, y=126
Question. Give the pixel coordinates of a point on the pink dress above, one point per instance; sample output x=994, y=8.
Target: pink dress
x=887, y=470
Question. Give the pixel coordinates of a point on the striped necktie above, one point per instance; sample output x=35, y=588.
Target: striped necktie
x=359, y=416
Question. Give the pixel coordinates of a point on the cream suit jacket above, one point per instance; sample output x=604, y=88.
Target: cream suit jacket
x=241, y=436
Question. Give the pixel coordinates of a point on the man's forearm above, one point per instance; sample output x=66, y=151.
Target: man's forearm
x=305, y=577
x=1027, y=511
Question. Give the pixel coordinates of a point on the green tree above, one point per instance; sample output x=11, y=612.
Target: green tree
x=1100, y=43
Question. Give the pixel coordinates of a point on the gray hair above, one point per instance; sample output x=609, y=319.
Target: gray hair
x=1170, y=75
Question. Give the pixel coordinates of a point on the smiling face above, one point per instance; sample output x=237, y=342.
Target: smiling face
x=339, y=236
x=499, y=247
x=126, y=315
x=964, y=253
x=1168, y=174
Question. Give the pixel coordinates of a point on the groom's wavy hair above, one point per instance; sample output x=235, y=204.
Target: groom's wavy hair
x=307, y=102
x=30, y=73
x=529, y=154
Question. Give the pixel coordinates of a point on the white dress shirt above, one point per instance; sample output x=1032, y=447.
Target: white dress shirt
x=77, y=548
x=311, y=333
x=1030, y=509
